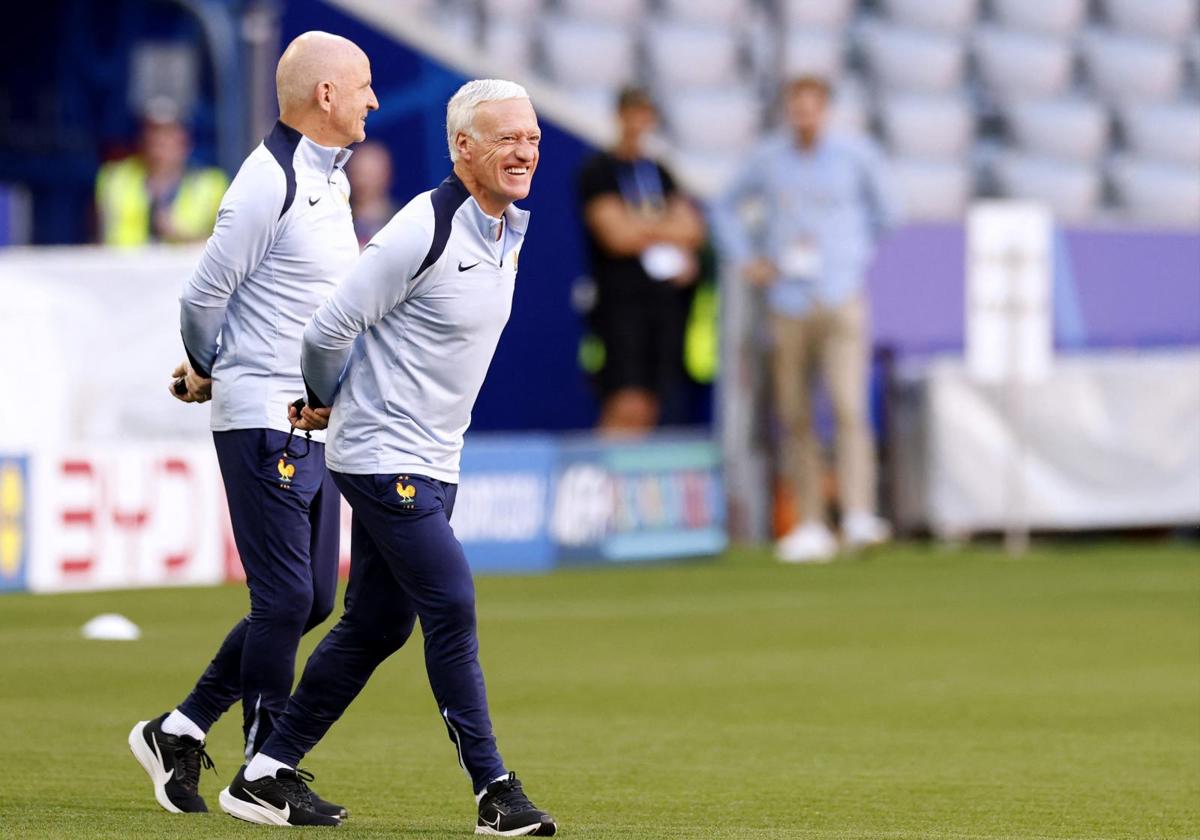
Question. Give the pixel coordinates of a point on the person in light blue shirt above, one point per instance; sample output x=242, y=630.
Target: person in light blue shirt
x=825, y=198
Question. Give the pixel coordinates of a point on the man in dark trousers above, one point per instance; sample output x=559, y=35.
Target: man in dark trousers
x=643, y=234
x=282, y=242
x=400, y=352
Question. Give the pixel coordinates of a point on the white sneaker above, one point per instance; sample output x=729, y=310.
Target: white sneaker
x=810, y=542
x=863, y=530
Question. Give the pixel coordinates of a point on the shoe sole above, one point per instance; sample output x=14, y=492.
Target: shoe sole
x=523, y=831
x=150, y=763
x=239, y=809
x=248, y=811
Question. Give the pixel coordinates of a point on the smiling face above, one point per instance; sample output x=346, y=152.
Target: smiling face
x=350, y=100
x=499, y=159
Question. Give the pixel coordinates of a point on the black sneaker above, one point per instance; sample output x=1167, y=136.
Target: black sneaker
x=505, y=811
x=329, y=809
x=173, y=763
x=282, y=799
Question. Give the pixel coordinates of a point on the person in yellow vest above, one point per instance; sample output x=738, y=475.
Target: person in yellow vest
x=153, y=196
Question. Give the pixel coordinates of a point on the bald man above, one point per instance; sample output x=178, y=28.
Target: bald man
x=282, y=243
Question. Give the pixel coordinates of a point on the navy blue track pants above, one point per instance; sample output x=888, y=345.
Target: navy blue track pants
x=405, y=563
x=285, y=512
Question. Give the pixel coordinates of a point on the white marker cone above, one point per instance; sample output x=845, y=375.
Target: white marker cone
x=112, y=627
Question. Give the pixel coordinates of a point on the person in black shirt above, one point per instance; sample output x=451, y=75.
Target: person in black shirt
x=642, y=234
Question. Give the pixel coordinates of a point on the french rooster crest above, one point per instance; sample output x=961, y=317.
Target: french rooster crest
x=286, y=470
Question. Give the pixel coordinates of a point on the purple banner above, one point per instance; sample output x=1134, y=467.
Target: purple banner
x=1112, y=289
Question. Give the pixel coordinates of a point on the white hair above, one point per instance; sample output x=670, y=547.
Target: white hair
x=460, y=111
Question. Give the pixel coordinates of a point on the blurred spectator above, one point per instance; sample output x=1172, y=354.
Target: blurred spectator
x=153, y=196
x=370, y=171
x=825, y=198
x=642, y=236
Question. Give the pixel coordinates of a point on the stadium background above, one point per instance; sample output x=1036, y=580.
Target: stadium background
x=933, y=689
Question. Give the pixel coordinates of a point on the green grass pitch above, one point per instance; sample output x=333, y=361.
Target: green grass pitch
x=918, y=693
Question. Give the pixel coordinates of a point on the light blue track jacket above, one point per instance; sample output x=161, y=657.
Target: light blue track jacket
x=401, y=349
x=282, y=242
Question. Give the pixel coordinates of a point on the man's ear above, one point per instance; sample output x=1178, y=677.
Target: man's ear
x=462, y=143
x=324, y=95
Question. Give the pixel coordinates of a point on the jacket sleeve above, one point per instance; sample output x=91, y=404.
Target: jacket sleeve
x=247, y=223
x=380, y=281
x=728, y=226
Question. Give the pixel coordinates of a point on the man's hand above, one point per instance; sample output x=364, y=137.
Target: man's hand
x=309, y=419
x=188, y=386
x=760, y=272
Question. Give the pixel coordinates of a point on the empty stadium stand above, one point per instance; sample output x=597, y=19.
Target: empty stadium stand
x=1088, y=106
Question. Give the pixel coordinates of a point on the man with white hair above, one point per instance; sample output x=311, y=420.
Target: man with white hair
x=283, y=241
x=400, y=352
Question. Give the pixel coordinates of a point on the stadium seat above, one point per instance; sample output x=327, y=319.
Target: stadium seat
x=706, y=173
x=730, y=13
x=827, y=14
x=580, y=54
x=597, y=101
x=1169, y=19
x=725, y=120
x=1017, y=64
x=903, y=58
x=932, y=190
x=1072, y=129
x=1050, y=17
x=1153, y=191
x=426, y=8
x=819, y=52
x=523, y=10
x=1071, y=189
x=763, y=49
x=1166, y=131
x=849, y=110
x=1131, y=68
x=456, y=23
x=943, y=15
x=927, y=126
x=508, y=43
x=691, y=55
x=628, y=12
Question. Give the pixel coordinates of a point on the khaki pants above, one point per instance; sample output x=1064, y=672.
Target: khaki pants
x=835, y=343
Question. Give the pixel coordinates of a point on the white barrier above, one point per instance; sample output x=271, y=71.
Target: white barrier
x=88, y=338
x=136, y=515
x=108, y=482
x=1113, y=442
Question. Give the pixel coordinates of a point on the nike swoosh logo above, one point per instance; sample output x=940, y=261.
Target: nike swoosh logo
x=285, y=811
x=494, y=826
x=313, y=201
x=462, y=267
x=158, y=752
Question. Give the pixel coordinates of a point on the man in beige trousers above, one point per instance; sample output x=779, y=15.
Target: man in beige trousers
x=826, y=199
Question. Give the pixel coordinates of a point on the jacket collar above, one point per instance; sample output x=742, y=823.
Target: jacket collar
x=311, y=155
x=516, y=218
